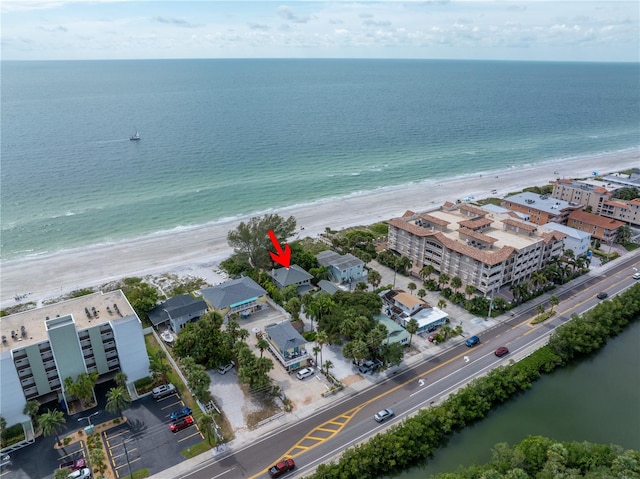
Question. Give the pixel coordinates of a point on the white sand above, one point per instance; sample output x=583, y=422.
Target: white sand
x=198, y=251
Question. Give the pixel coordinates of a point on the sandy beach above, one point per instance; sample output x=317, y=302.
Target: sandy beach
x=198, y=251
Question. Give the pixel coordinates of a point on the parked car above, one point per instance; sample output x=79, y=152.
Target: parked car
x=73, y=465
x=5, y=460
x=84, y=473
x=431, y=338
x=281, y=467
x=181, y=424
x=383, y=415
x=162, y=391
x=602, y=295
x=472, y=341
x=184, y=412
x=304, y=373
x=226, y=368
x=370, y=366
x=501, y=351
x=636, y=276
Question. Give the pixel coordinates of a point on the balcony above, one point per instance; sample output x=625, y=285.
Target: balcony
x=288, y=360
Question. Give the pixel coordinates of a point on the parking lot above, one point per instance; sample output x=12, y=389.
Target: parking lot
x=145, y=440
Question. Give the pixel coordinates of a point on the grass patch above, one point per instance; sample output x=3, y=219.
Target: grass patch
x=543, y=317
x=140, y=473
x=193, y=451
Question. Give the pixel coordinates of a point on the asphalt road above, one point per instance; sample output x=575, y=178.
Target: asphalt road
x=324, y=435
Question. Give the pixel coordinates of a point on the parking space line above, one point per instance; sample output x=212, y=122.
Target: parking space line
x=130, y=461
x=189, y=437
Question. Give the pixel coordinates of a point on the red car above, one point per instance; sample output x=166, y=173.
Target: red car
x=181, y=424
x=280, y=468
x=73, y=465
x=501, y=351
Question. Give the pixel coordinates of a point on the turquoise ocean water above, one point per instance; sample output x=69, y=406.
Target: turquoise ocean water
x=226, y=138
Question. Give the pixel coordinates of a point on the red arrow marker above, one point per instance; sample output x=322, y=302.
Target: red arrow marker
x=281, y=257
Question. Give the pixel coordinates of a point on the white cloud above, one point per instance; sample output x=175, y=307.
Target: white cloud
x=569, y=30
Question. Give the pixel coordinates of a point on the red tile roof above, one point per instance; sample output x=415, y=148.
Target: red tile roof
x=601, y=221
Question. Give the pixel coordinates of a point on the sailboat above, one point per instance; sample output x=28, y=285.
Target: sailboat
x=135, y=136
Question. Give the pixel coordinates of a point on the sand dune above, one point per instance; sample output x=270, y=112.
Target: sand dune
x=198, y=251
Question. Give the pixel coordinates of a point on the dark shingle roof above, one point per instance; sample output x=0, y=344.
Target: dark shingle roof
x=180, y=305
x=284, y=335
x=292, y=275
x=233, y=292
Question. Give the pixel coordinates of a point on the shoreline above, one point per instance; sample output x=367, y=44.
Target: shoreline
x=199, y=249
x=236, y=218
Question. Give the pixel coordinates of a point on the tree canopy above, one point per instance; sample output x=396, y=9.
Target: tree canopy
x=205, y=341
x=251, y=239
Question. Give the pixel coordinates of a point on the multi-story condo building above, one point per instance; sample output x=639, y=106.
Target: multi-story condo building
x=581, y=193
x=486, y=250
x=627, y=211
x=604, y=229
x=41, y=347
x=541, y=209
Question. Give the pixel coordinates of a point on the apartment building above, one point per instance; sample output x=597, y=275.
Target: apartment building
x=541, y=209
x=604, y=229
x=581, y=193
x=41, y=347
x=486, y=250
x=626, y=211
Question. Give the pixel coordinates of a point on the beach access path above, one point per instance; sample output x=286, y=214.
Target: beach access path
x=197, y=251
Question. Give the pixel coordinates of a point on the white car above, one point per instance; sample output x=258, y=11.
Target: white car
x=162, y=391
x=80, y=474
x=636, y=276
x=226, y=368
x=304, y=373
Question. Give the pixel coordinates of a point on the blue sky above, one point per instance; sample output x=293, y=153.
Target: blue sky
x=501, y=30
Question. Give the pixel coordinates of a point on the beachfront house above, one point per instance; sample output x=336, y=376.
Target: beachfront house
x=344, y=268
x=241, y=296
x=283, y=277
x=175, y=312
x=287, y=345
x=41, y=347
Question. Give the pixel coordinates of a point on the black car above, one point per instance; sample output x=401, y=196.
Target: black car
x=602, y=295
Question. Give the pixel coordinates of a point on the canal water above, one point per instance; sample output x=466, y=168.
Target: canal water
x=597, y=400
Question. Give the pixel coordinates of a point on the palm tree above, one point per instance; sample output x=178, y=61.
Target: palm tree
x=117, y=399
x=262, y=344
x=316, y=350
x=456, y=283
x=422, y=293
x=540, y=309
x=31, y=409
x=442, y=304
x=120, y=378
x=443, y=279
x=321, y=340
x=205, y=422
x=412, y=287
x=52, y=422
x=158, y=367
x=553, y=301
x=374, y=278
x=412, y=328
x=327, y=365
x=469, y=290
x=426, y=272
